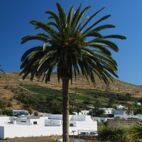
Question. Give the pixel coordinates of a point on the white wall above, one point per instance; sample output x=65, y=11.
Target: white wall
x=11, y=131
x=88, y=125
x=17, y=130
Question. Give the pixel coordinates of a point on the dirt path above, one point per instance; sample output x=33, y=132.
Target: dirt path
x=43, y=139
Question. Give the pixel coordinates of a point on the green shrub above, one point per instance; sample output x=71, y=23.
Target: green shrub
x=7, y=112
x=138, y=110
x=29, y=110
x=135, y=133
x=97, y=112
x=115, y=134
x=2, y=104
x=120, y=134
x=35, y=113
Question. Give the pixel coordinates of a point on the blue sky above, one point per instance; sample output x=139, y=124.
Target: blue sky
x=126, y=15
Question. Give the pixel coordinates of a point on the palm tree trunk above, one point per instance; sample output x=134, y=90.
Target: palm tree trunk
x=65, y=86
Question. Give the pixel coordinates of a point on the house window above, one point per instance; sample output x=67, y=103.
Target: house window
x=71, y=125
x=24, y=121
x=35, y=122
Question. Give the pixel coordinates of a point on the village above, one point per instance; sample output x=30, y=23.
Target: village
x=24, y=124
x=61, y=77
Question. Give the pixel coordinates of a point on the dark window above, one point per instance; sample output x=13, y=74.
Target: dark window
x=71, y=125
x=35, y=122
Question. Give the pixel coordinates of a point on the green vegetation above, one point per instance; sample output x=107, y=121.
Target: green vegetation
x=2, y=104
x=137, y=110
x=120, y=134
x=50, y=100
x=29, y=100
x=7, y=112
x=108, y=134
x=97, y=112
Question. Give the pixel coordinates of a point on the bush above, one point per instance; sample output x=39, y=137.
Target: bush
x=138, y=110
x=2, y=104
x=29, y=110
x=97, y=112
x=116, y=134
x=35, y=113
x=7, y=112
x=120, y=134
x=134, y=133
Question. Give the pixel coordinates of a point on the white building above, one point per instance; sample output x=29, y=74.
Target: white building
x=138, y=116
x=120, y=107
x=19, y=112
x=119, y=113
x=138, y=103
x=108, y=111
x=51, y=124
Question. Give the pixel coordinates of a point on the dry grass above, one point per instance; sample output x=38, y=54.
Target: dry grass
x=10, y=82
x=30, y=139
x=13, y=79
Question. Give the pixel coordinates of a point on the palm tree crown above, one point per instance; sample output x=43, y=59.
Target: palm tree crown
x=71, y=46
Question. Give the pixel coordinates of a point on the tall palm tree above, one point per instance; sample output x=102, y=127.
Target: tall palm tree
x=71, y=46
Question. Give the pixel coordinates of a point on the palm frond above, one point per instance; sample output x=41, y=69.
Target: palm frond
x=72, y=47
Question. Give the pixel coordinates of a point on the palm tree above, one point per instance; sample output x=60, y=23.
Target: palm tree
x=70, y=46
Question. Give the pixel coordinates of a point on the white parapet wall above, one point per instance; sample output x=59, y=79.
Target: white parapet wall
x=12, y=131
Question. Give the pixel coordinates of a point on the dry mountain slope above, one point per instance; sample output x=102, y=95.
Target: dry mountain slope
x=13, y=79
x=10, y=85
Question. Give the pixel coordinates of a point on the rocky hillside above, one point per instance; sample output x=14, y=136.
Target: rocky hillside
x=12, y=86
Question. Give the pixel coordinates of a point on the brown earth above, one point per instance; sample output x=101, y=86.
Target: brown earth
x=14, y=80
x=10, y=84
x=30, y=139
x=44, y=139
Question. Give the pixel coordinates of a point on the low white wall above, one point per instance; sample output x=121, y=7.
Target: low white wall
x=11, y=131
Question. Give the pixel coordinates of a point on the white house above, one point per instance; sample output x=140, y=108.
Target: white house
x=48, y=125
x=19, y=112
x=84, y=112
x=138, y=116
x=119, y=113
x=101, y=119
x=120, y=107
x=138, y=103
x=108, y=111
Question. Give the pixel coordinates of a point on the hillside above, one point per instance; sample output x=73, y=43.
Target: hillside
x=16, y=93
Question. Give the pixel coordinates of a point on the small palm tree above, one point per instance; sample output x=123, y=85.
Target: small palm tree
x=70, y=46
x=1, y=70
